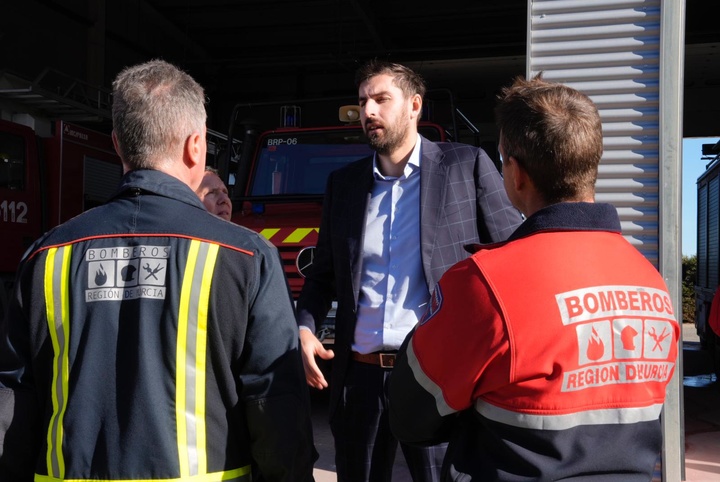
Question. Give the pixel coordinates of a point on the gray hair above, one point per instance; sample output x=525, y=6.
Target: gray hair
x=156, y=106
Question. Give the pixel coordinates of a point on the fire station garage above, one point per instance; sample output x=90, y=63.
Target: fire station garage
x=651, y=66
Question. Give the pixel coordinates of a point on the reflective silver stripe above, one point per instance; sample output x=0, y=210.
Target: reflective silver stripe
x=191, y=358
x=539, y=422
x=431, y=387
x=563, y=422
x=57, y=310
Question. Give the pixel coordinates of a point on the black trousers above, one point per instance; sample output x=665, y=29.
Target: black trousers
x=364, y=445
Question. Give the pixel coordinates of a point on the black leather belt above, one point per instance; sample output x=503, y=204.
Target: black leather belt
x=384, y=360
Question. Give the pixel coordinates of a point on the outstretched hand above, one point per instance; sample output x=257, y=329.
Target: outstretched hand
x=312, y=347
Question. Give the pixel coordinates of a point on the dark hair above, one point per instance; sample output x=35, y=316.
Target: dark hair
x=156, y=106
x=405, y=78
x=555, y=134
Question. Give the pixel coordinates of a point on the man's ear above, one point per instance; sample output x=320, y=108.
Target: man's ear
x=519, y=176
x=115, y=142
x=416, y=103
x=194, y=153
x=116, y=145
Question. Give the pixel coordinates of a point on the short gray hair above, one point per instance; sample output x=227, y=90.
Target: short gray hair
x=156, y=106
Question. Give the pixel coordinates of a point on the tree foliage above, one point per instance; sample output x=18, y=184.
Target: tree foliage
x=689, y=274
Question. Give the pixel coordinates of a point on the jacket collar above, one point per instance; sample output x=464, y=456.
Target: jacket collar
x=564, y=217
x=570, y=217
x=159, y=183
x=429, y=151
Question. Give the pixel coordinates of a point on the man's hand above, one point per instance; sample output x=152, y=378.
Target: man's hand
x=311, y=347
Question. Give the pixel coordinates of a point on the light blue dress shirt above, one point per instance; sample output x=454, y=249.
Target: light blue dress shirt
x=393, y=291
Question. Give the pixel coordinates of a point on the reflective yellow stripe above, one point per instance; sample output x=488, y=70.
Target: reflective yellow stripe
x=180, y=388
x=190, y=358
x=57, y=309
x=299, y=234
x=296, y=236
x=200, y=357
x=236, y=475
x=269, y=232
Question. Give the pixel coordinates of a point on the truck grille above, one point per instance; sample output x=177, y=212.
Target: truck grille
x=288, y=255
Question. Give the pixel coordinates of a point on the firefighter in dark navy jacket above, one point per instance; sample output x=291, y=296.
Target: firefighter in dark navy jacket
x=545, y=357
x=148, y=339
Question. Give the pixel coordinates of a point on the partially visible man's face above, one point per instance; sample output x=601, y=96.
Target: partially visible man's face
x=214, y=195
x=384, y=113
x=507, y=175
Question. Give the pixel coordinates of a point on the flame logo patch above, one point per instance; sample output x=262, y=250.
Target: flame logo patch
x=596, y=347
x=100, y=276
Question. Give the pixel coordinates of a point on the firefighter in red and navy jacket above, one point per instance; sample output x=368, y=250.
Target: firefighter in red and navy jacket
x=544, y=357
x=148, y=339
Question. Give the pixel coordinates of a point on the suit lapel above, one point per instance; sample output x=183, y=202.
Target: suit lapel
x=433, y=188
x=359, y=188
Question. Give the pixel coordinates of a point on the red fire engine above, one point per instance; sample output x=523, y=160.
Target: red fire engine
x=45, y=181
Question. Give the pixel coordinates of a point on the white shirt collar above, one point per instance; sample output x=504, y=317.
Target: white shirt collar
x=412, y=165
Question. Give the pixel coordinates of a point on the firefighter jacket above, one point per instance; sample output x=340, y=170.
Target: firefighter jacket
x=150, y=340
x=545, y=357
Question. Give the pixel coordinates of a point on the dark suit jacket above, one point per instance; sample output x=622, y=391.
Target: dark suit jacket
x=462, y=201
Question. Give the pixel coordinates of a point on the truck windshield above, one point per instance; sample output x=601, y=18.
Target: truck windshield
x=299, y=162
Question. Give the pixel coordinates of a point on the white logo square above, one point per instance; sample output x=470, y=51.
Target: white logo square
x=101, y=274
x=128, y=272
x=152, y=271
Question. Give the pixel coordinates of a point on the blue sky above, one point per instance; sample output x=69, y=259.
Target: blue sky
x=692, y=167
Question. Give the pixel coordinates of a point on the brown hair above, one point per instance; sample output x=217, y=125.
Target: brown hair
x=405, y=78
x=554, y=132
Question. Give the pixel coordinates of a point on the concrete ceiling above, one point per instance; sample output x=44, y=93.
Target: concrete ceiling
x=272, y=50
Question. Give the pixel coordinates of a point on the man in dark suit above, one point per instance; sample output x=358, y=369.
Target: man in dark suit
x=391, y=225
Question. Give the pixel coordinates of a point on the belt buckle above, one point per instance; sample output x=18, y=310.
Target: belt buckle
x=387, y=360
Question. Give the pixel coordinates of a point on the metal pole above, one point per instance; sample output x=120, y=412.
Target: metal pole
x=672, y=45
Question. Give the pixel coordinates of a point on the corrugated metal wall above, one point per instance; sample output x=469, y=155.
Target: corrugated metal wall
x=628, y=57
x=702, y=236
x=609, y=49
x=713, y=232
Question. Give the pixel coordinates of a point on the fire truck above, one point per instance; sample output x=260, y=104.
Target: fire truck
x=277, y=187
x=708, y=250
x=46, y=180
